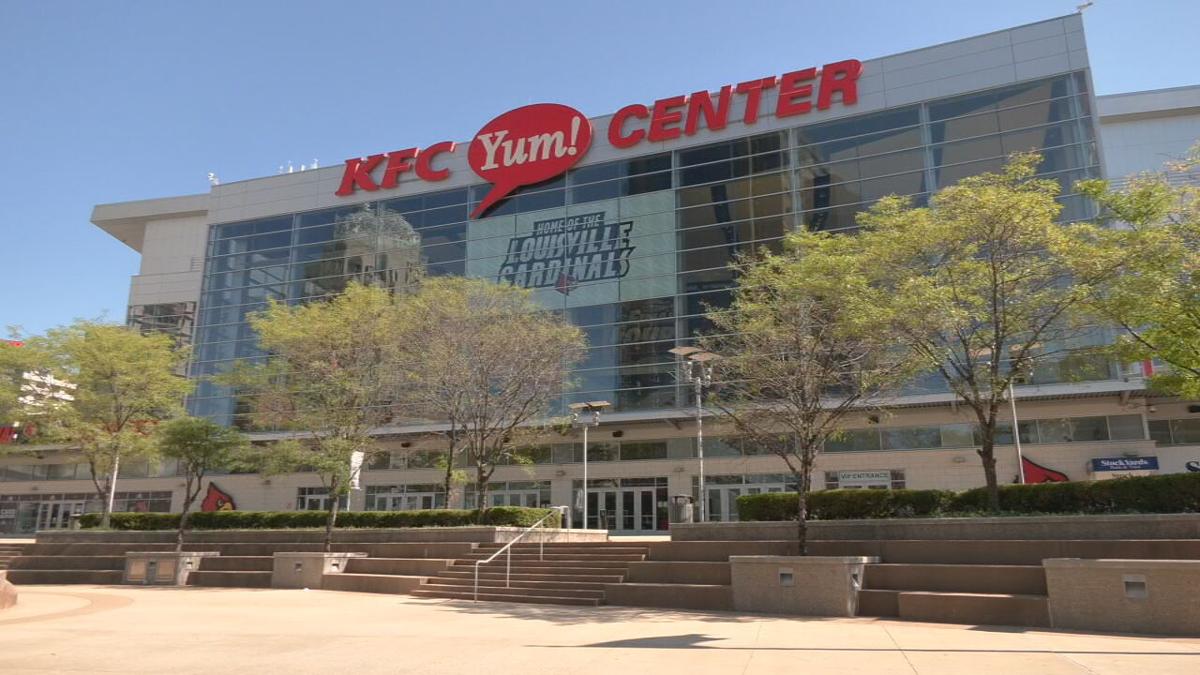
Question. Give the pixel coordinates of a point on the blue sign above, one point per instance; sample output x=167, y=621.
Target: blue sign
x=1124, y=464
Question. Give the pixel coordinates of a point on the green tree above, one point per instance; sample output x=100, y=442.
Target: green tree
x=488, y=361
x=16, y=359
x=114, y=385
x=976, y=286
x=330, y=380
x=200, y=446
x=796, y=361
x=1152, y=234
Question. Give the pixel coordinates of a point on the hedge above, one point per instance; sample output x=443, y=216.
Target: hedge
x=1171, y=493
x=518, y=516
x=845, y=504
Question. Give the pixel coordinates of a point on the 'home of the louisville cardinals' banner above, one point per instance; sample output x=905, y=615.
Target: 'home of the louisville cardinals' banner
x=601, y=252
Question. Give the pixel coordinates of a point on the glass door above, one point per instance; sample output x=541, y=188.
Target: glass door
x=602, y=509
x=57, y=515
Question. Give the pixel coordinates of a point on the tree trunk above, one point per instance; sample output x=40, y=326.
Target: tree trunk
x=110, y=498
x=450, y=464
x=188, y=498
x=334, y=498
x=481, y=483
x=987, y=455
x=802, y=521
x=183, y=523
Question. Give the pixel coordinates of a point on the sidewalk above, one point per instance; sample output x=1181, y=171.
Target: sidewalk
x=195, y=630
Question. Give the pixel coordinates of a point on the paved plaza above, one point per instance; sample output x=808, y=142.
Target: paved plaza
x=158, y=630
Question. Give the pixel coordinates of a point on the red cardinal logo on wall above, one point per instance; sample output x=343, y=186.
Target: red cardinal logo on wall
x=1036, y=473
x=217, y=500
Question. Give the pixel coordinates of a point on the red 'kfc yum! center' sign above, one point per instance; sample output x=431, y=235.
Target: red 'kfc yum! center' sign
x=538, y=142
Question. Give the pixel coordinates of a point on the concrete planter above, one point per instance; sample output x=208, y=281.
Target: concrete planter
x=1126, y=596
x=8, y=592
x=306, y=570
x=162, y=568
x=800, y=585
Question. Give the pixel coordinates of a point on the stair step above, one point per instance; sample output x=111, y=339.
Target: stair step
x=372, y=583
x=551, y=555
x=69, y=562
x=237, y=563
x=102, y=577
x=550, y=571
x=433, y=585
x=537, y=599
x=230, y=579
x=582, y=550
x=550, y=564
x=519, y=583
x=584, y=578
x=956, y=578
x=874, y=602
x=997, y=609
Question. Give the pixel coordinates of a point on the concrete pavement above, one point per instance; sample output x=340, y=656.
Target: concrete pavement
x=199, y=630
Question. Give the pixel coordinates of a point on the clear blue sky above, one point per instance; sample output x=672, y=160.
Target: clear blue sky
x=113, y=101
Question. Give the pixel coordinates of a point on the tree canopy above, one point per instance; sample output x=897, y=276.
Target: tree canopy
x=491, y=362
x=1153, y=236
x=121, y=383
x=976, y=286
x=330, y=379
x=796, y=360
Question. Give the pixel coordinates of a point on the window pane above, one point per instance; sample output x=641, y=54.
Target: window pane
x=1089, y=429
x=911, y=438
x=854, y=440
x=1126, y=427
x=1185, y=432
x=958, y=435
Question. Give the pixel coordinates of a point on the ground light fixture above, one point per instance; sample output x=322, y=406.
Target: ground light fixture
x=586, y=415
x=697, y=367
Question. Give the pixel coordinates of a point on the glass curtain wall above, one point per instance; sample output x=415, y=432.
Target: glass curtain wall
x=653, y=235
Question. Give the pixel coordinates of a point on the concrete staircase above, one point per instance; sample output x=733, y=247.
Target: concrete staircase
x=240, y=565
x=9, y=552
x=991, y=582
x=566, y=574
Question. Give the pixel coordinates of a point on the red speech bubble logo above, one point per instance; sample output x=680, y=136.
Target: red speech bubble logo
x=526, y=146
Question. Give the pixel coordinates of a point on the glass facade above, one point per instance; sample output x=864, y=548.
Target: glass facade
x=635, y=251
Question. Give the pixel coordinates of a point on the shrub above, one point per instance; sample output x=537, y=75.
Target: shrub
x=845, y=504
x=517, y=516
x=1170, y=493
x=767, y=506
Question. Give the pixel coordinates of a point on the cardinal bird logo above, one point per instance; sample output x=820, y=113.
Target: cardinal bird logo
x=1036, y=473
x=217, y=500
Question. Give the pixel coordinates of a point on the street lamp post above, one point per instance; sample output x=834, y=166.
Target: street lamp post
x=697, y=371
x=1016, y=431
x=586, y=415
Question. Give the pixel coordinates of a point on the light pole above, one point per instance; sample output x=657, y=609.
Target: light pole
x=1016, y=430
x=697, y=371
x=579, y=419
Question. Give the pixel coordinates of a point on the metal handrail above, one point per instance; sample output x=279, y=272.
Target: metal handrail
x=508, y=547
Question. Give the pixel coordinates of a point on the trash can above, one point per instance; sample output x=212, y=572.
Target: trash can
x=681, y=508
x=564, y=520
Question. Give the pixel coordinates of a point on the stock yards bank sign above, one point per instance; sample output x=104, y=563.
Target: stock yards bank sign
x=538, y=142
x=563, y=252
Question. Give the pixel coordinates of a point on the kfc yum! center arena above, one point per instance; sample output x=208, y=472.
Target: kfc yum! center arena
x=626, y=224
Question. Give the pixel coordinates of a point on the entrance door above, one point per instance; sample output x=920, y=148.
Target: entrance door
x=602, y=509
x=57, y=515
x=722, y=501
x=625, y=509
